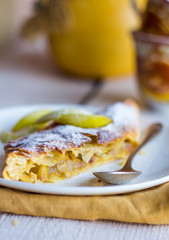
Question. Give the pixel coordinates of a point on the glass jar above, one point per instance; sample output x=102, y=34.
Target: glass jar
x=153, y=67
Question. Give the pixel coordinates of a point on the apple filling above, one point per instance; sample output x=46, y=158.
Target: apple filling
x=54, y=166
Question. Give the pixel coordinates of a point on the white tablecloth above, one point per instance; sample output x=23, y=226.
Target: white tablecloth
x=27, y=76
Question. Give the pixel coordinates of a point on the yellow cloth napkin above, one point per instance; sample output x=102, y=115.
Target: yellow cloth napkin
x=149, y=206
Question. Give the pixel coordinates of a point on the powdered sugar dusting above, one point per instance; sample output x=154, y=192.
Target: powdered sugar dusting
x=122, y=114
x=64, y=137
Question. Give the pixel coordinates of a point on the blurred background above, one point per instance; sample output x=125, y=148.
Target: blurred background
x=83, y=51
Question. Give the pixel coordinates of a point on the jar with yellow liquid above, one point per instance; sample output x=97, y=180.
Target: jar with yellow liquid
x=88, y=38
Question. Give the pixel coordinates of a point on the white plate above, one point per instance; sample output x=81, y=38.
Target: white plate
x=154, y=164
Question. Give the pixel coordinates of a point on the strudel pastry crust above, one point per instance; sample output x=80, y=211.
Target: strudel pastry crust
x=64, y=151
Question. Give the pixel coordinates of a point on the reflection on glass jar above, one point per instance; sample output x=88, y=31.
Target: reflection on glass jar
x=153, y=66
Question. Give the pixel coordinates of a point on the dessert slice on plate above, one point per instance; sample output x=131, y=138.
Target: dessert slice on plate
x=63, y=151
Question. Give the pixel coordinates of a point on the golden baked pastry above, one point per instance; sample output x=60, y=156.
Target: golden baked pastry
x=64, y=151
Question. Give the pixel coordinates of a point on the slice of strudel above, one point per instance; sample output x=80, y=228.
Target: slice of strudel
x=63, y=151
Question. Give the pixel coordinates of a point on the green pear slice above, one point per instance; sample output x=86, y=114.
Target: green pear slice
x=55, y=115
x=29, y=119
x=84, y=121
x=76, y=118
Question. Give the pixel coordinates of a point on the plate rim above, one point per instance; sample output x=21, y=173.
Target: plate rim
x=83, y=191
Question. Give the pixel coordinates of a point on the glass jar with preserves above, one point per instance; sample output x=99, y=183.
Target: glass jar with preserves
x=153, y=67
x=152, y=47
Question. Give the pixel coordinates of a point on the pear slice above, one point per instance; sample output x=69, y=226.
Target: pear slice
x=7, y=136
x=84, y=121
x=55, y=115
x=76, y=118
x=30, y=119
